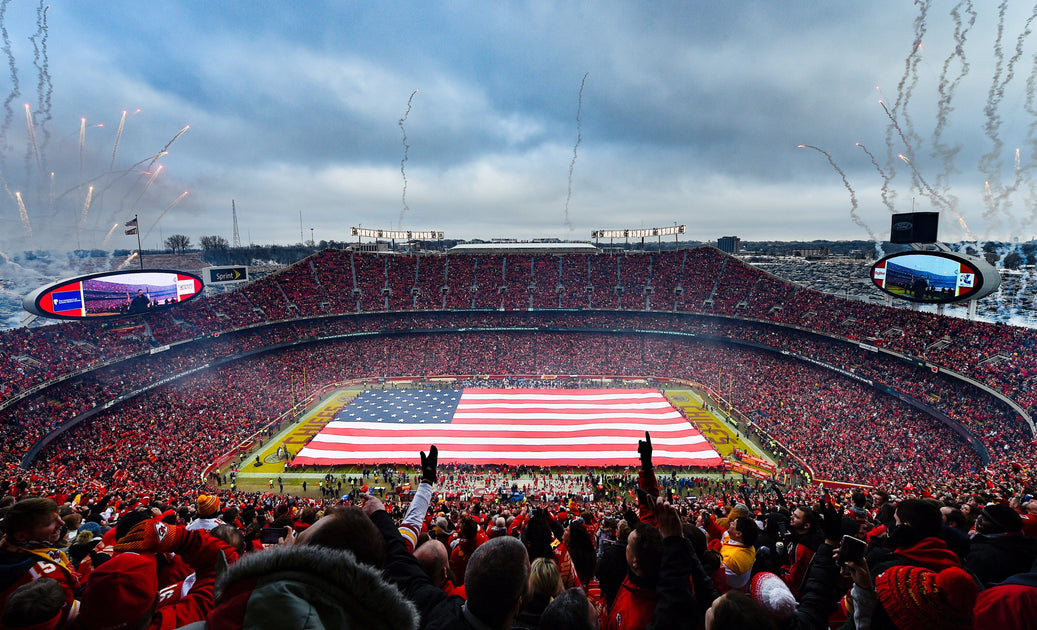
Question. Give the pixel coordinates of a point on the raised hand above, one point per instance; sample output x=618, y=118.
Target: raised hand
x=428, y=464
x=644, y=449
x=831, y=521
x=152, y=536
x=668, y=520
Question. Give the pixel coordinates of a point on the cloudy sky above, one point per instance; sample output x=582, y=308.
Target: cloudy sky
x=513, y=119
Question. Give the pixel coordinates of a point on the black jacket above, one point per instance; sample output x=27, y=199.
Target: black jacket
x=999, y=557
x=819, y=593
x=438, y=610
x=679, y=605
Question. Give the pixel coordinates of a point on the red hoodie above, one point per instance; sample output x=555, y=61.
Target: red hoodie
x=931, y=553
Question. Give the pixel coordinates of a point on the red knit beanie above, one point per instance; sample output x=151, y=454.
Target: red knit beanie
x=119, y=592
x=918, y=598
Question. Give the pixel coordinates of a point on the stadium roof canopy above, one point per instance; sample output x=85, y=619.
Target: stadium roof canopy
x=524, y=248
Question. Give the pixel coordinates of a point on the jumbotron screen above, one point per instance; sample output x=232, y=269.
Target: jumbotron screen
x=113, y=294
x=935, y=277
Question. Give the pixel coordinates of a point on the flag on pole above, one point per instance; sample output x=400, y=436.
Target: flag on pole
x=131, y=231
x=579, y=427
x=132, y=223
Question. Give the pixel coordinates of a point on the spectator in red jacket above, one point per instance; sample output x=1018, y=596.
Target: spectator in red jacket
x=125, y=592
x=466, y=546
x=635, y=602
x=28, y=551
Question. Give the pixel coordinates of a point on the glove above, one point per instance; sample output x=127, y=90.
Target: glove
x=831, y=521
x=428, y=464
x=631, y=518
x=781, y=497
x=644, y=449
x=152, y=536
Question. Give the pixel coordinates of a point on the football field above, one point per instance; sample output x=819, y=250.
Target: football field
x=717, y=437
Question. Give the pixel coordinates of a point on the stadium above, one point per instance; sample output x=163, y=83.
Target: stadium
x=804, y=373
x=493, y=424
x=223, y=394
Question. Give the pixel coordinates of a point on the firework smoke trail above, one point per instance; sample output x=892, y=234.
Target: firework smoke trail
x=86, y=206
x=44, y=87
x=894, y=126
x=147, y=185
x=889, y=146
x=15, y=92
x=123, y=173
x=24, y=214
x=926, y=188
x=162, y=214
x=126, y=262
x=118, y=136
x=965, y=228
x=990, y=164
x=165, y=149
x=32, y=139
x=947, y=88
x=1019, y=171
x=403, y=162
x=109, y=235
x=82, y=142
x=935, y=197
x=1030, y=105
x=906, y=87
x=886, y=201
x=853, y=195
x=572, y=163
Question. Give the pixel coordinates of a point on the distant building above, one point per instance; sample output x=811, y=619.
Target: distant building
x=729, y=244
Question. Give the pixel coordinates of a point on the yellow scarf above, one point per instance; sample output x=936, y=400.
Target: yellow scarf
x=48, y=554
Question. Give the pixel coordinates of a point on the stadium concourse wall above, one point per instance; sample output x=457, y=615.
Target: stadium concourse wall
x=345, y=337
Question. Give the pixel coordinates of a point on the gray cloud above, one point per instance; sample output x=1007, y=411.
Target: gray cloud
x=691, y=112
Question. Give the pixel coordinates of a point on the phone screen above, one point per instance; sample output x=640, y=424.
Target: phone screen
x=851, y=549
x=271, y=535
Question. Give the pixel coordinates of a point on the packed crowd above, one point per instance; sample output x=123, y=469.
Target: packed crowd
x=811, y=411
x=701, y=280
x=149, y=446
x=730, y=555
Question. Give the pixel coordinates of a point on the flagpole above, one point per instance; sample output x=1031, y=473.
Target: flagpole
x=140, y=252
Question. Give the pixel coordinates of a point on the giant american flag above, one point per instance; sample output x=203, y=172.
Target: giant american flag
x=580, y=427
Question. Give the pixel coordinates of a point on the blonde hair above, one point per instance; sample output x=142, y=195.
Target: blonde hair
x=545, y=578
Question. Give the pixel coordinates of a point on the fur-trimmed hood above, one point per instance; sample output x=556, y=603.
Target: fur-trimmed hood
x=307, y=587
